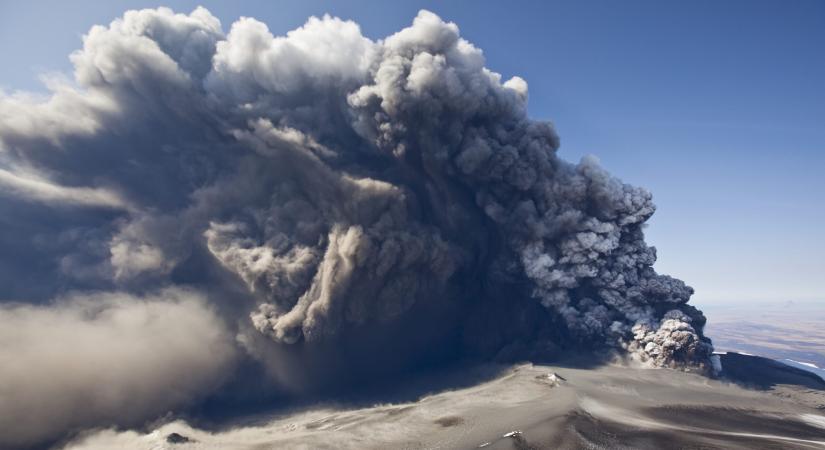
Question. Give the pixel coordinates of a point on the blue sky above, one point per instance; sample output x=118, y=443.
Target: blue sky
x=716, y=106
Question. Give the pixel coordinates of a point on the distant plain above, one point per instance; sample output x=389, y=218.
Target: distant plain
x=782, y=330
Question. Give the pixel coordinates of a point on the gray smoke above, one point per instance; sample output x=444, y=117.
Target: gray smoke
x=341, y=203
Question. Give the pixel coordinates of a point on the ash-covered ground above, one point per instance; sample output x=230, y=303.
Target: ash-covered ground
x=760, y=404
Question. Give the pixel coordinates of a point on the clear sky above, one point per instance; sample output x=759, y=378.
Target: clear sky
x=718, y=107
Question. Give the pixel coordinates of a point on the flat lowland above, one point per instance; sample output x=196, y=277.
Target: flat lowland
x=784, y=330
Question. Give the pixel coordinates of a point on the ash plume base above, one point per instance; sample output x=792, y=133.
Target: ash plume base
x=329, y=206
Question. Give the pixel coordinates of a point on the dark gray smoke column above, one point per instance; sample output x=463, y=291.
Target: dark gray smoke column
x=329, y=196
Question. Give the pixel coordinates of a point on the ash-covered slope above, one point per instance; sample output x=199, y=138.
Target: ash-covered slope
x=325, y=204
x=530, y=407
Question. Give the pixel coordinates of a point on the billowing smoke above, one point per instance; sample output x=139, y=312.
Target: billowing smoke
x=88, y=358
x=332, y=206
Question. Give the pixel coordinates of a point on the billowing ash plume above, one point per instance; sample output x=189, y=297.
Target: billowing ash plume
x=341, y=203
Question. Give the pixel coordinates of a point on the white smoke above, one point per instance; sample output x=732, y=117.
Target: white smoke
x=340, y=198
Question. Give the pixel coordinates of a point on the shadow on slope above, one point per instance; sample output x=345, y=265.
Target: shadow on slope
x=764, y=373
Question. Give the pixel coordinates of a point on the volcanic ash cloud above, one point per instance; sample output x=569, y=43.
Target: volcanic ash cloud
x=324, y=197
